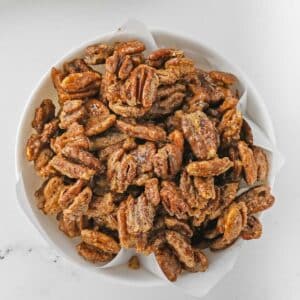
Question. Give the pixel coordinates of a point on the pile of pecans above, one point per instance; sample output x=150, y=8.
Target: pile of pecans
x=149, y=155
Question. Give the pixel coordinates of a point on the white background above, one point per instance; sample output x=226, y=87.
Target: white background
x=262, y=37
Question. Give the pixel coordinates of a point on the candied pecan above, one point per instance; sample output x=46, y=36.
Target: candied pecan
x=127, y=111
x=253, y=229
x=101, y=206
x=47, y=196
x=81, y=156
x=173, y=200
x=181, y=66
x=190, y=192
x=168, y=159
x=230, y=126
x=74, y=136
x=99, y=118
x=152, y=191
x=140, y=214
x=248, y=161
x=230, y=224
x=127, y=144
x=70, y=192
x=246, y=133
x=121, y=170
x=228, y=103
x=82, y=85
x=125, y=68
x=108, y=139
x=93, y=254
x=201, y=262
x=209, y=168
x=70, y=223
x=257, y=199
x=235, y=173
x=165, y=91
x=72, y=111
x=140, y=89
x=143, y=155
x=134, y=263
x=37, y=142
x=77, y=65
x=225, y=78
x=158, y=57
x=71, y=170
x=182, y=247
x=129, y=47
x=196, y=102
x=201, y=134
x=262, y=164
x=97, y=54
x=100, y=240
x=178, y=225
x=41, y=163
x=126, y=240
x=43, y=114
x=80, y=82
x=168, y=263
x=146, y=131
x=166, y=106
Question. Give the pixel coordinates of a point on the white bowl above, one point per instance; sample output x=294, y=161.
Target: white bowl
x=28, y=181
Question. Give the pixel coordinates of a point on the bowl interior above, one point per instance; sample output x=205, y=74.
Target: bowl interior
x=25, y=171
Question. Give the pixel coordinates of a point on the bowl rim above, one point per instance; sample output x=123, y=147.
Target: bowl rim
x=19, y=144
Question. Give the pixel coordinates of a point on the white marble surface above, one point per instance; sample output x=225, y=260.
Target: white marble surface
x=262, y=37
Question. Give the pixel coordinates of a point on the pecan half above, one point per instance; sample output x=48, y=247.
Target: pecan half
x=81, y=156
x=262, y=163
x=72, y=111
x=148, y=132
x=140, y=88
x=43, y=114
x=99, y=118
x=70, y=169
x=100, y=241
x=257, y=199
x=253, y=229
x=248, y=161
x=208, y=168
x=93, y=254
x=74, y=136
x=182, y=247
x=173, y=200
x=97, y=54
x=168, y=263
x=201, y=134
x=48, y=195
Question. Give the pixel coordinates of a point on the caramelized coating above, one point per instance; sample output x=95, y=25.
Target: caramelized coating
x=97, y=54
x=253, y=229
x=173, y=200
x=93, y=254
x=208, y=168
x=81, y=156
x=100, y=241
x=147, y=131
x=168, y=263
x=72, y=111
x=201, y=134
x=134, y=263
x=43, y=114
x=70, y=169
x=262, y=163
x=248, y=161
x=257, y=199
